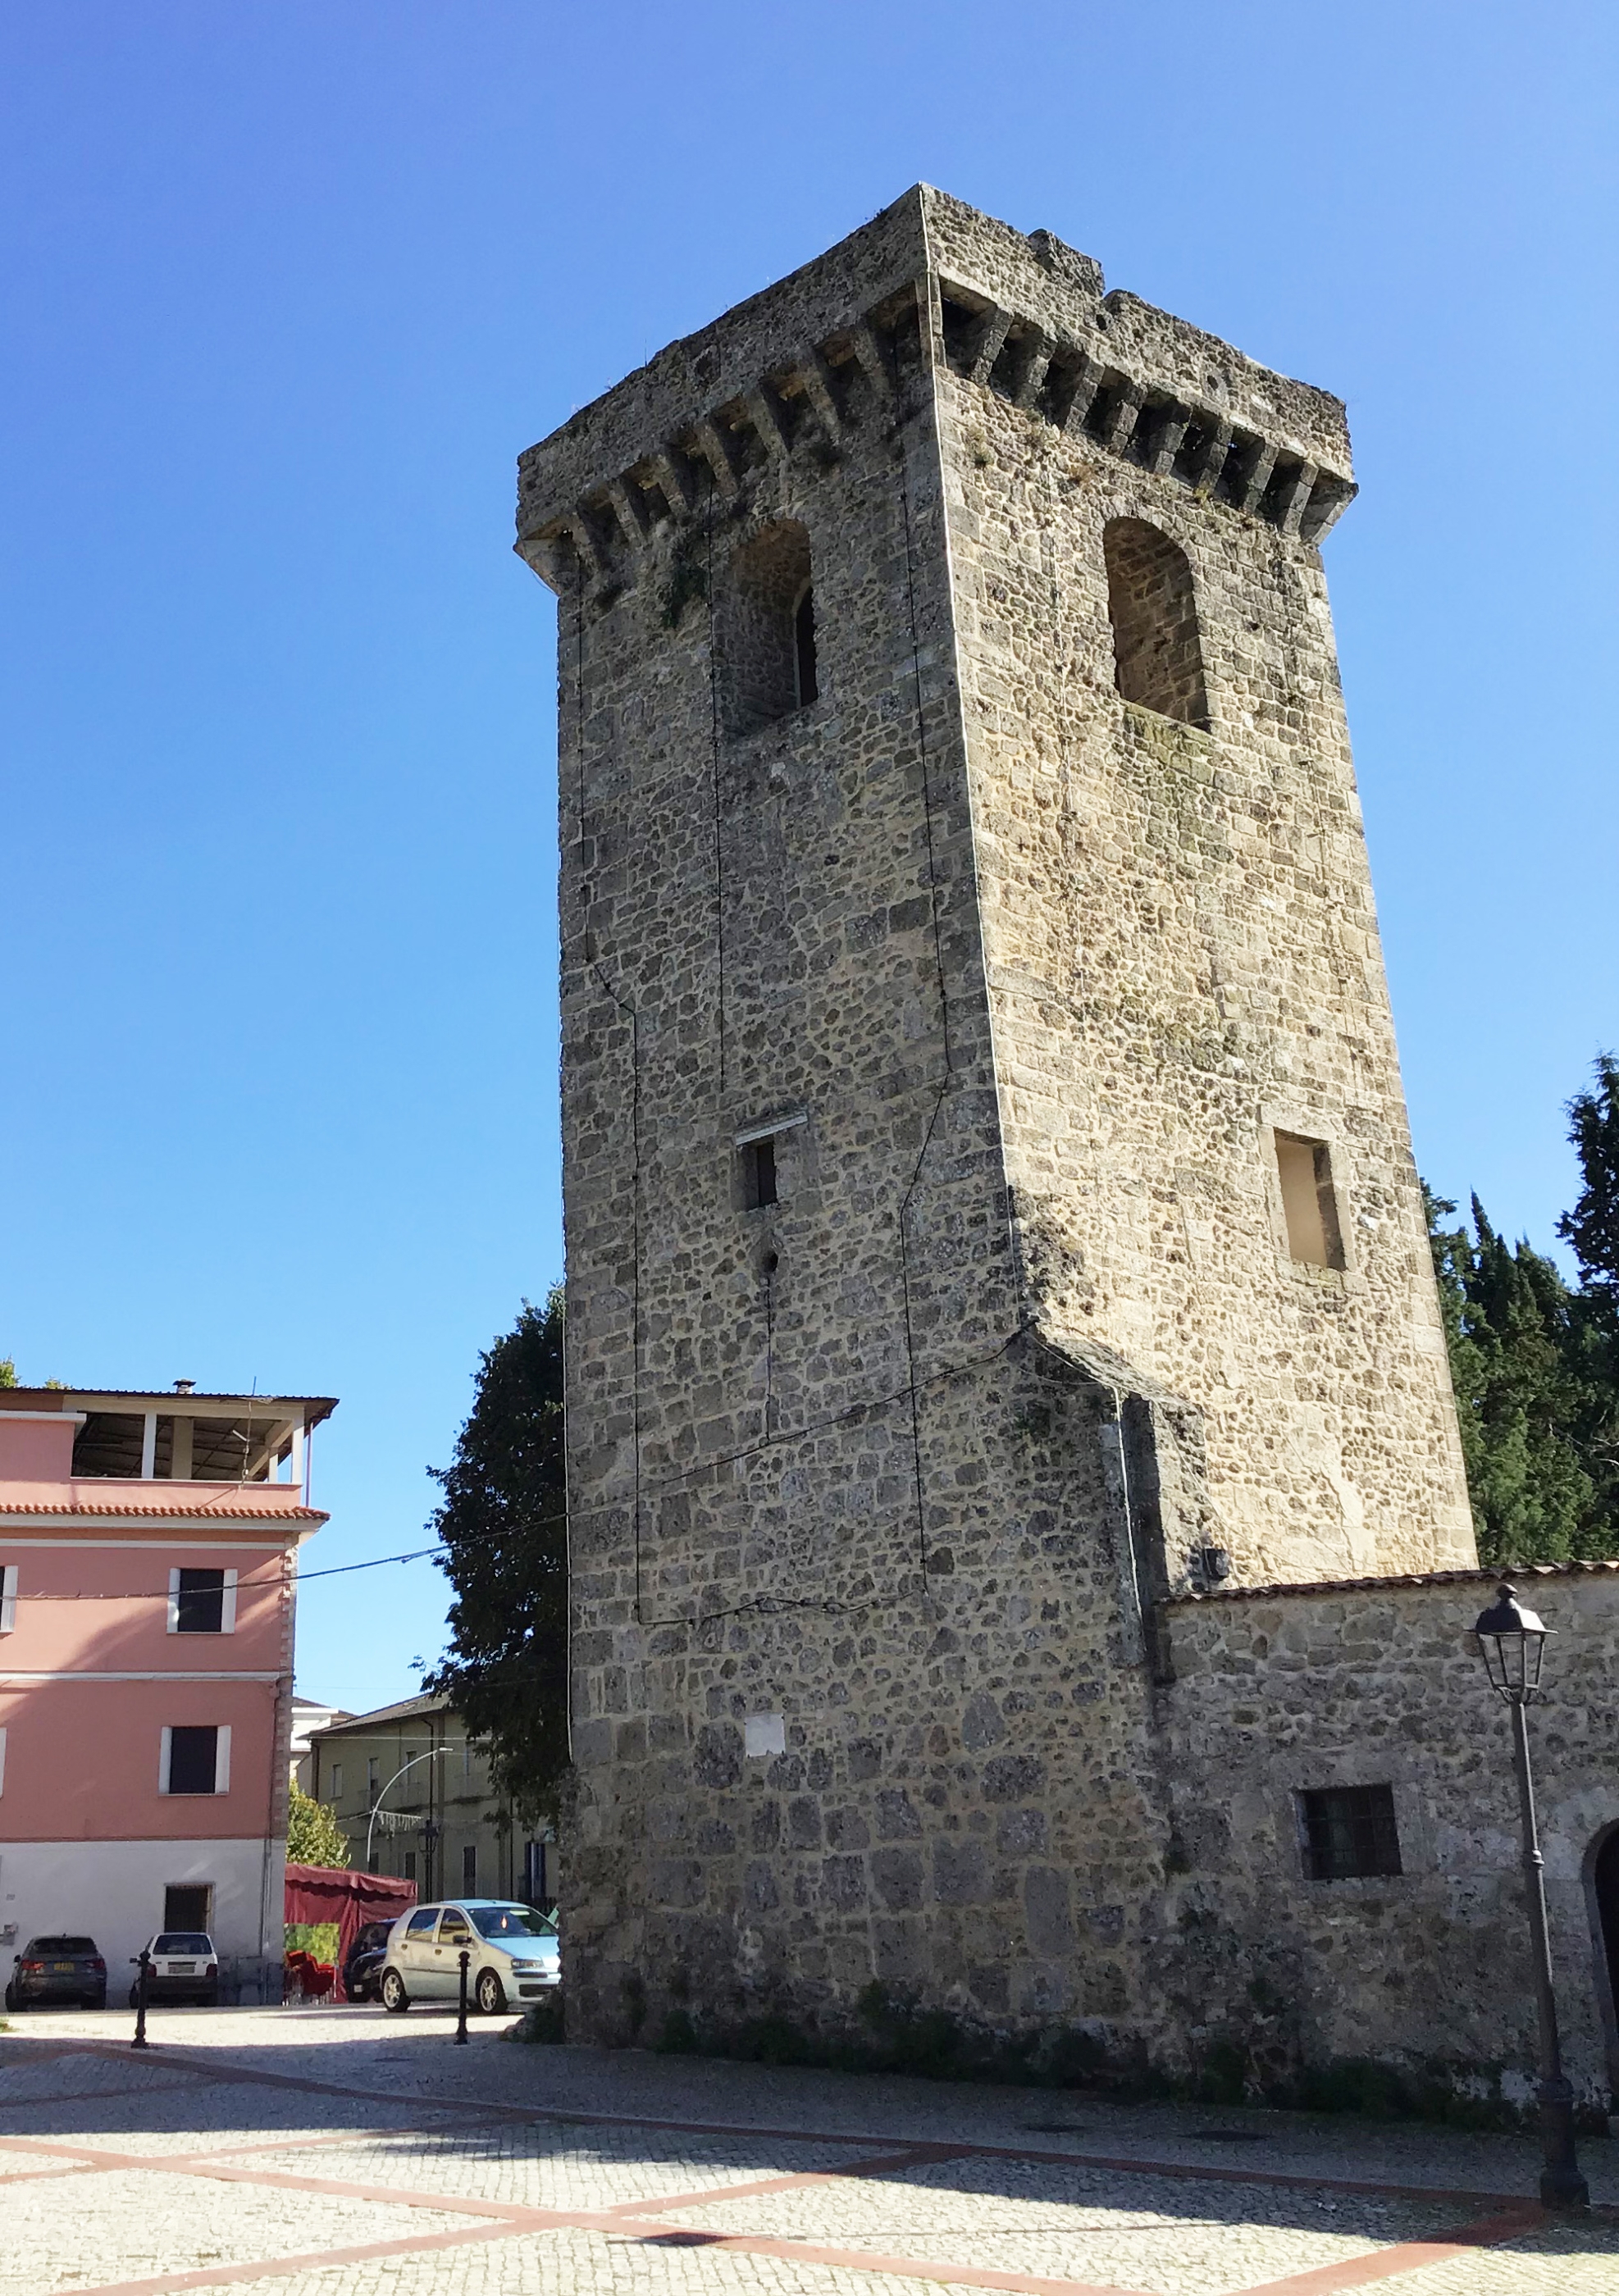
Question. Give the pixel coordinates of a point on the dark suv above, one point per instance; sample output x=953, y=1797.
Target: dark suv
x=363, y=1969
x=58, y=1969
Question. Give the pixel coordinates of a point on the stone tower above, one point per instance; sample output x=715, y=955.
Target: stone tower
x=989, y=1207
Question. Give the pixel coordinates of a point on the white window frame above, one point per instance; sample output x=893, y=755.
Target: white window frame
x=2, y=1758
x=335, y=1785
x=227, y=1605
x=222, y=1758
x=8, y=1597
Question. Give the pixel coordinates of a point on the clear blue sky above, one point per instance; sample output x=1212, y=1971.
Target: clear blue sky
x=287, y=287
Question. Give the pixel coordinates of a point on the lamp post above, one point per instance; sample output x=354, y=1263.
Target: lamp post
x=1511, y=1641
x=430, y=1755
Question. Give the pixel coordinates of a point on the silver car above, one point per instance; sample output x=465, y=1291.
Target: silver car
x=513, y=1955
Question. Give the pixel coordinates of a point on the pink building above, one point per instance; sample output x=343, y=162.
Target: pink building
x=148, y=1577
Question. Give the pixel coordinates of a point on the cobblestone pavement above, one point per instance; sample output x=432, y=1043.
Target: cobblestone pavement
x=341, y=2153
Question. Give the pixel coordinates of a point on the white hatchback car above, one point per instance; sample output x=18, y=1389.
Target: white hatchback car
x=513, y=1955
x=184, y=1967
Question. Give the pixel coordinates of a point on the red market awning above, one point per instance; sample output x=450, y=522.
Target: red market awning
x=335, y=1893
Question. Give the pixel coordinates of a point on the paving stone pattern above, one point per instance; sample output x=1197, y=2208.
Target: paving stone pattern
x=341, y=2157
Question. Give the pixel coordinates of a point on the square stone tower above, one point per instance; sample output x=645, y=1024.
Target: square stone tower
x=989, y=1206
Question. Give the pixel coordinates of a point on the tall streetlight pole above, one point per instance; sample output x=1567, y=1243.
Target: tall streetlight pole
x=432, y=1754
x=1511, y=1641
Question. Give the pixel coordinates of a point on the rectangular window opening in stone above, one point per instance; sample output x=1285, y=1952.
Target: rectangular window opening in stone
x=188, y=1905
x=1309, y=1203
x=765, y=629
x=1157, y=652
x=759, y=1173
x=1349, y=1831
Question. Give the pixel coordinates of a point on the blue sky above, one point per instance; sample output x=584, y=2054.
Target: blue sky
x=289, y=286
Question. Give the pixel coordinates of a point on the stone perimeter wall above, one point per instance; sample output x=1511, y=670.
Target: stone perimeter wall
x=1284, y=1690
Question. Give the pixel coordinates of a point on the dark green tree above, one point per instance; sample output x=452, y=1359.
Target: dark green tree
x=1514, y=1363
x=1592, y=1227
x=1536, y=1364
x=504, y=1525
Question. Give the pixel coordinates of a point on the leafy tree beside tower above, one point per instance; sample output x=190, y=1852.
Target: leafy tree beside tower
x=504, y=1525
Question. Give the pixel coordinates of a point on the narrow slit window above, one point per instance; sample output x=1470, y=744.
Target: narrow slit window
x=469, y=1867
x=1309, y=1203
x=1349, y=1832
x=804, y=647
x=759, y=1173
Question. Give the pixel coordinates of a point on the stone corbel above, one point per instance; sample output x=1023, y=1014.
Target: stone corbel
x=630, y=512
x=991, y=337
x=869, y=356
x=1211, y=458
x=1292, y=506
x=1088, y=373
x=1259, y=477
x=766, y=420
x=1174, y=431
x=1034, y=371
x=816, y=378
x=1132, y=399
x=707, y=439
x=673, y=473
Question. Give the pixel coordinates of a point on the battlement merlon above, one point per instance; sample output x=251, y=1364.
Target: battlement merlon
x=1024, y=316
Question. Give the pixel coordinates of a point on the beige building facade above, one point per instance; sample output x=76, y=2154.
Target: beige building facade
x=993, y=1240
x=413, y=1797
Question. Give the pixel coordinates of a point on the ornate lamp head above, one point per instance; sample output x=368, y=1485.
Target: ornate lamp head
x=1511, y=1641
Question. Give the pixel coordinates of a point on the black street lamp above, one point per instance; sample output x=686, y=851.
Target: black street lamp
x=1512, y=1641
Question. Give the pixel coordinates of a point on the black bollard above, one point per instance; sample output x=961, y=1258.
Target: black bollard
x=460, y=2019
x=143, y=1966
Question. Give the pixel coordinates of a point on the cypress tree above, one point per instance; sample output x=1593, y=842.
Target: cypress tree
x=1536, y=1364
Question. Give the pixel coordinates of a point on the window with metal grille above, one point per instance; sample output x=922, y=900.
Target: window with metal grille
x=188, y=1905
x=1349, y=1831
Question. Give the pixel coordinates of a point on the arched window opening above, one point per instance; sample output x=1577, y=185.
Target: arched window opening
x=1157, y=657
x=804, y=647
x=1605, y=1885
x=765, y=627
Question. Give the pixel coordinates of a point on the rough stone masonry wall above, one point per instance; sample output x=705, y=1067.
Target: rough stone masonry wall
x=1286, y=1689
x=821, y=1477
x=1179, y=934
